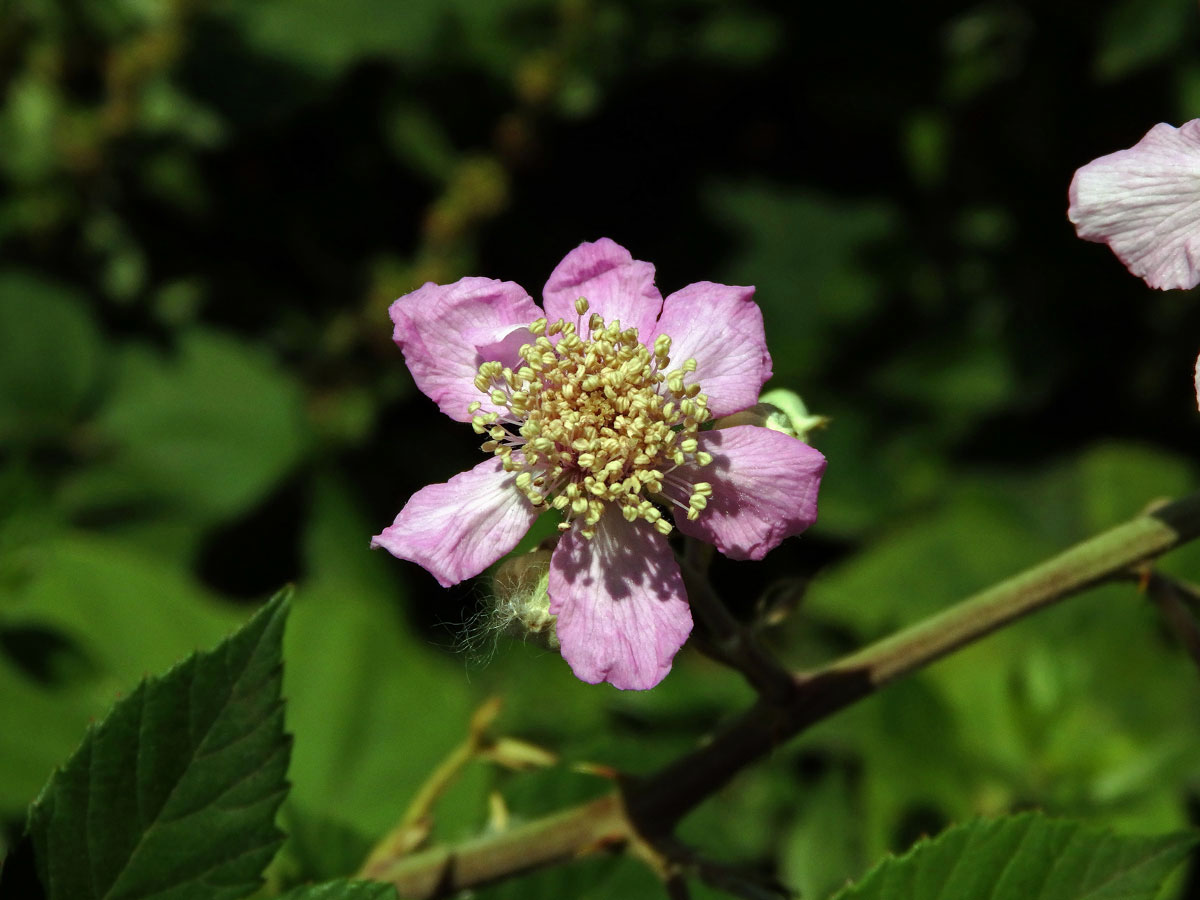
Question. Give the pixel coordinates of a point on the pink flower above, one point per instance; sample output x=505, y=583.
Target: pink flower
x=585, y=413
x=1144, y=203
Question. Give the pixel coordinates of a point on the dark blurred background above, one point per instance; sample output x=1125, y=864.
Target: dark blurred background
x=207, y=207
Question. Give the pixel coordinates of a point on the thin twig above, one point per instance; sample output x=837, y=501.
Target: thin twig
x=413, y=830
x=728, y=640
x=648, y=808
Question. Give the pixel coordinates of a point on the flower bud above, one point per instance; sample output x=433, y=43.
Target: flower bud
x=780, y=410
x=521, y=605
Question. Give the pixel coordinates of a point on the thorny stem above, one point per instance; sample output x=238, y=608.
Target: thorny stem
x=645, y=810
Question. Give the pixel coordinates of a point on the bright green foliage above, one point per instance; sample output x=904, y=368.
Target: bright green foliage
x=175, y=792
x=1026, y=856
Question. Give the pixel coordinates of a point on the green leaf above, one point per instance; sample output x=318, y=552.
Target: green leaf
x=1136, y=33
x=318, y=847
x=50, y=356
x=837, y=288
x=929, y=563
x=177, y=789
x=300, y=33
x=821, y=846
x=1118, y=480
x=210, y=431
x=1023, y=856
x=40, y=727
x=124, y=614
x=136, y=615
x=342, y=890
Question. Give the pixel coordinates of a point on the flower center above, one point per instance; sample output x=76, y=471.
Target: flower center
x=596, y=420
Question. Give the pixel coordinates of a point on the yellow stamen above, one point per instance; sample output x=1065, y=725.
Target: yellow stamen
x=594, y=421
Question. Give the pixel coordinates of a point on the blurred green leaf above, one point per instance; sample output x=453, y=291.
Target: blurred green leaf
x=210, y=431
x=1119, y=481
x=176, y=791
x=822, y=845
x=342, y=890
x=168, y=110
x=418, y=138
x=738, y=37
x=132, y=613
x=317, y=848
x=926, y=147
x=41, y=726
x=323, y=39
x=51, y=356
x=925, y=565
x=955, y=384
x=1025, y=856
x=803, y=252
x=27, y=122
x=877, y=473
x=1138, y=33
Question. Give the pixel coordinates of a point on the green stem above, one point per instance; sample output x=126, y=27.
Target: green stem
x=648, y=808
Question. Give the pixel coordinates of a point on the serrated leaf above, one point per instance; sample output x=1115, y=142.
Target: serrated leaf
x=342, y=890
x=137, y=615
x=176, y=791
x=1023, y=856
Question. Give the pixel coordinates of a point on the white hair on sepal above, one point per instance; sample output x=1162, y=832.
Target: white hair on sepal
x=520, y=603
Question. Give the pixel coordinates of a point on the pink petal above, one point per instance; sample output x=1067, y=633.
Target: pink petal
x=457, y=529
x=721, y=327
x=1144, y=203
x=447, y=331
x=764, y=490
x=616, y=286
x=620, y=601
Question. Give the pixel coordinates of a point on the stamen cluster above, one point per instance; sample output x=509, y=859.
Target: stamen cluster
x=589, y=421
